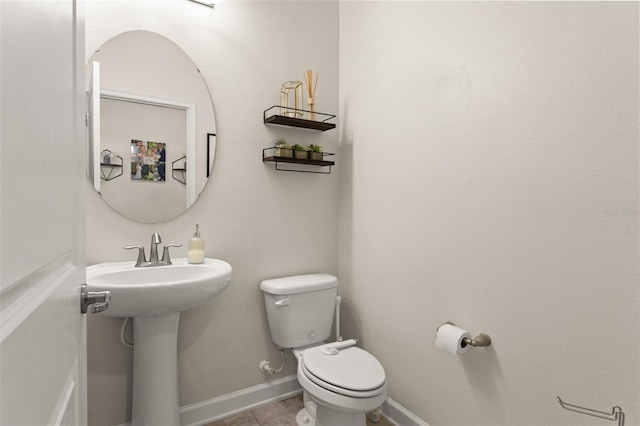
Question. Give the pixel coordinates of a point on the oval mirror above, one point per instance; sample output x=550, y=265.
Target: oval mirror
x=152, y=132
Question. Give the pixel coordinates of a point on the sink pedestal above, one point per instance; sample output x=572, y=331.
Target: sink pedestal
x=155, y=371
x=154, y=298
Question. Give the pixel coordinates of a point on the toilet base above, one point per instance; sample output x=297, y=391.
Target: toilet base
x=304, y=419
x=330, y=417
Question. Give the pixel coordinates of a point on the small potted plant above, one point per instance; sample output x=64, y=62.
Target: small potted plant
x=299, y=151
x=315, y=152
x=282, y=148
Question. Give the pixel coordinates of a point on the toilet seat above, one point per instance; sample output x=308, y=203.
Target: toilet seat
x=351, y=372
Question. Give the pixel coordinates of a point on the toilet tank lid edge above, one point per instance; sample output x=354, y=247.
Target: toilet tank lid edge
x=299, y=284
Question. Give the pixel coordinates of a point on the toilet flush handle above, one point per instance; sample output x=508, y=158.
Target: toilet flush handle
x=283, y=302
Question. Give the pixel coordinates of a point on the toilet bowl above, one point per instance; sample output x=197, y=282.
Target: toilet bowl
x=343, y=386
x=341, y=382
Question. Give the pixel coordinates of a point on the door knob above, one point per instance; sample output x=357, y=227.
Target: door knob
x=97, y=300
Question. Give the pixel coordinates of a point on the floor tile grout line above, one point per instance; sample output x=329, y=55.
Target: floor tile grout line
x=256, y=418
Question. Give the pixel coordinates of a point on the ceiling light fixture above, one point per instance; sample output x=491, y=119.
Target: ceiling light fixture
x=209, y=3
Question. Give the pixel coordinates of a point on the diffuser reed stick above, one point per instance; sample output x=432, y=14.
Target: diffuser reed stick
x=311, y=90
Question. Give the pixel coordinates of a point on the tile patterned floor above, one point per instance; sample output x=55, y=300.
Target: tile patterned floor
x=278, y=413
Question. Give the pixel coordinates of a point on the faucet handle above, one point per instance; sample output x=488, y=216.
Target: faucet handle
x=141, y=256
x=166, y=259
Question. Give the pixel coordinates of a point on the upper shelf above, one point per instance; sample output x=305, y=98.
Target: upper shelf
x=293, y=117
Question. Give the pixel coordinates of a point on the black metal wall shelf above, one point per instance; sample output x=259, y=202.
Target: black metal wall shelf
x=293, y=117
x=266, y=158
x=110, y=166
x=110, y=171
x=179, y=171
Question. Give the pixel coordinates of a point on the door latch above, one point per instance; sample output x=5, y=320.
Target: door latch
x=97, y=300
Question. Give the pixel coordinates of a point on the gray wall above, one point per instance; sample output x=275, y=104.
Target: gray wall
x=263, y=222
x=489, y=176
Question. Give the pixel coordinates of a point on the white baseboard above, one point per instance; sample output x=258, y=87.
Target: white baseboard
x=226, y=405
x=400, y=415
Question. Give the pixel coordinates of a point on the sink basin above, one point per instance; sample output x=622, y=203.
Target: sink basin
x=158, y=290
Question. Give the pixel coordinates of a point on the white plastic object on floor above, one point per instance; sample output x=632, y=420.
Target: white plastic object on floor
x=332, y=348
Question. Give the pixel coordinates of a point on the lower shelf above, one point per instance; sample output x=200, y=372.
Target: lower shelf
x=300, y=161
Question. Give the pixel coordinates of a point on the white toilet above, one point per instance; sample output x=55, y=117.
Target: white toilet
x=341, y=382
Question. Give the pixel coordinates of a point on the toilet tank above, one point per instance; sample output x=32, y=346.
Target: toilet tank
x=300, y=308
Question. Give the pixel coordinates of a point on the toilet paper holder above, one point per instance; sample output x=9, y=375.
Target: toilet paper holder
x=615, y=414
x=482, y=339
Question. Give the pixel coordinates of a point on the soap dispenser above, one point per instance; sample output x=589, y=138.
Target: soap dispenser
x=196, y=248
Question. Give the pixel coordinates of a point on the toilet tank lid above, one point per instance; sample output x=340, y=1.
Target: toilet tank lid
x=299, y=284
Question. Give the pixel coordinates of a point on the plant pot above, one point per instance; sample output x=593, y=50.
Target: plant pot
x=301, y=155
x=283, y=152
x=316, y=156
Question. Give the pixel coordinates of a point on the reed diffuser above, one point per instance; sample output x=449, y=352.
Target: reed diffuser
x=311, y=91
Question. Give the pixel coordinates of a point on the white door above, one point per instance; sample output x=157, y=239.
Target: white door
x=42, y=346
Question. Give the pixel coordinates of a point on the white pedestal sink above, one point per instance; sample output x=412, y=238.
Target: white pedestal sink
x=154, y=297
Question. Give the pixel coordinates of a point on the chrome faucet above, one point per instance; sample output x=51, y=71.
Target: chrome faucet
x=155, y=240
x=153, y=257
